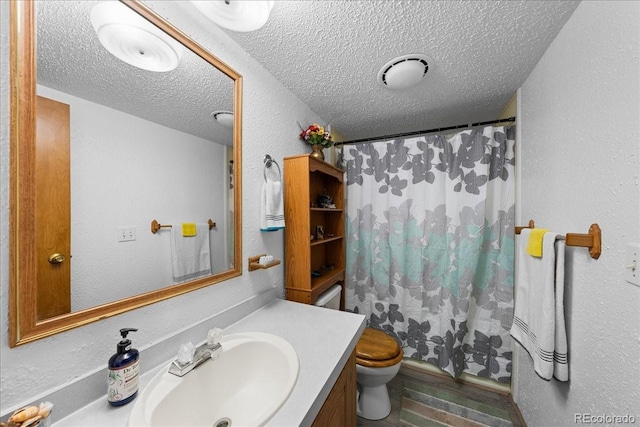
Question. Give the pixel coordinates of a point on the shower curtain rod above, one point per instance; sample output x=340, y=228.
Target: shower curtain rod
x=423, y=132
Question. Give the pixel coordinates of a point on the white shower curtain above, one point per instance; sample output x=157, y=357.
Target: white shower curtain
x=430, y=246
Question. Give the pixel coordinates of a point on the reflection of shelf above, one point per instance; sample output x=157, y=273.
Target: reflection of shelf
x=255, y=265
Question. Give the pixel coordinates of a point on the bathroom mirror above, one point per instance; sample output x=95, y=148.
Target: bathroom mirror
x=183, y=168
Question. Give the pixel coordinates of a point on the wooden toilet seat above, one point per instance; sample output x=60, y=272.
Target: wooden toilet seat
x=375, y=349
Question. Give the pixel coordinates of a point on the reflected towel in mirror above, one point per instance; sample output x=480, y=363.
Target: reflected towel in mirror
x=189, y=229
x=190, y=255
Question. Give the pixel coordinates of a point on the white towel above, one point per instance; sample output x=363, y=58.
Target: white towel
x=190, y=256
x=538, y=318
x=271, y=206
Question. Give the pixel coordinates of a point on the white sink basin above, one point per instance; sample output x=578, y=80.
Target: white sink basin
x=245, y=386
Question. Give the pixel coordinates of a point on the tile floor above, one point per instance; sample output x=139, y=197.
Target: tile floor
x=464, y=390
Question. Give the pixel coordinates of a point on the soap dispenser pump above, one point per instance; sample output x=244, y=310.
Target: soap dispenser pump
x=123, y=371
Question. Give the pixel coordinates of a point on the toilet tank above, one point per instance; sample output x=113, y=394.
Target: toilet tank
x=330, y=298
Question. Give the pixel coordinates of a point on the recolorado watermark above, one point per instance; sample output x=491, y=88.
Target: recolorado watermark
x=587, y=418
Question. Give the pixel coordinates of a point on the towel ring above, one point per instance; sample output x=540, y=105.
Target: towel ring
x=267, y=164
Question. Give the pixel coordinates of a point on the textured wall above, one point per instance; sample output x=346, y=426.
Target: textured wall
x=269, y=126
x=579, y=130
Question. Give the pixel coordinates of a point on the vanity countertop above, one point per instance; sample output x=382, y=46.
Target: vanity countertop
x=322, y=338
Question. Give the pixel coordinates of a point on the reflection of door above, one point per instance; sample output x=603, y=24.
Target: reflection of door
x=53, y=208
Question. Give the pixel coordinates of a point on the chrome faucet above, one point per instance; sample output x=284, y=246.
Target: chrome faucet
x=202, y=353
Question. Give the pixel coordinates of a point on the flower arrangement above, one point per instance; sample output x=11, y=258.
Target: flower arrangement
x=316, y=134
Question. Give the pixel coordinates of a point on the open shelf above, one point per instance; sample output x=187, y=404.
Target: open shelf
x=306, y=179
x=327, y=210
x=317, y=242
x=328, y=278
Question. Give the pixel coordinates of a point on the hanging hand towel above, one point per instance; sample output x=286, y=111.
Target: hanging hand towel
x=538, y=319
x=190, y=255
x=534, y=245
x=189, y=229
x=271, y=206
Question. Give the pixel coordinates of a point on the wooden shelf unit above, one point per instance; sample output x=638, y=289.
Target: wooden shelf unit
x=305, y=180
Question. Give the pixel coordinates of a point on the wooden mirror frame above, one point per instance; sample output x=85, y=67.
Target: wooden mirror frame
x=24, y=326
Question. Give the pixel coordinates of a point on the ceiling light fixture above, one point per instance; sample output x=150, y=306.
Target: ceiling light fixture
x=404, y=71
x=236, y=15
x=132, y=39
x=225, y=118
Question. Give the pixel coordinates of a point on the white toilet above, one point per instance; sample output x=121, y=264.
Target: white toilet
x=378, y=359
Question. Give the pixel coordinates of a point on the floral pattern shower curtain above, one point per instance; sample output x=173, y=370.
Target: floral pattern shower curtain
x=430, y=246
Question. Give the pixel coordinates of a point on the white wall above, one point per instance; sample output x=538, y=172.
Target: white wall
x=269, y=126
x=126, y=175
x=579, y=140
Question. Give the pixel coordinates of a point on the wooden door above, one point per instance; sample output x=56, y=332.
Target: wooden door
x=53, y=208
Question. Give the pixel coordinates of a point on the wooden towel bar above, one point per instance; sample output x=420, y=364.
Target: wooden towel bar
x=155, y=225
x=591, y=240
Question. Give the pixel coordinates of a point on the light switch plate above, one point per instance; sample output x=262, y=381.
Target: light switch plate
x=126, y=234
x=632, y=264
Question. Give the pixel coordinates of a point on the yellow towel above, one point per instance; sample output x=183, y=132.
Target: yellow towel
x=534, y=246
x=189, y=229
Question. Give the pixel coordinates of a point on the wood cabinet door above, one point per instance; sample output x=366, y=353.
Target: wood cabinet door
x=339, y=409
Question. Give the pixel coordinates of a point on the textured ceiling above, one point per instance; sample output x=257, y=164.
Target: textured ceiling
x=328, y=53
x=72, y=60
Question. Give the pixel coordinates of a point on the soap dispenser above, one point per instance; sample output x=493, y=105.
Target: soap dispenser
x=123, y=372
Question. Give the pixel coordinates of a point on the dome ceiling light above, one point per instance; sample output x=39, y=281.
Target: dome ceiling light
x=225, y=118
x=236, y=15
x=404, y=71
x=132, y=39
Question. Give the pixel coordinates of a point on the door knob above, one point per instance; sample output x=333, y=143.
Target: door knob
x=56, y=258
